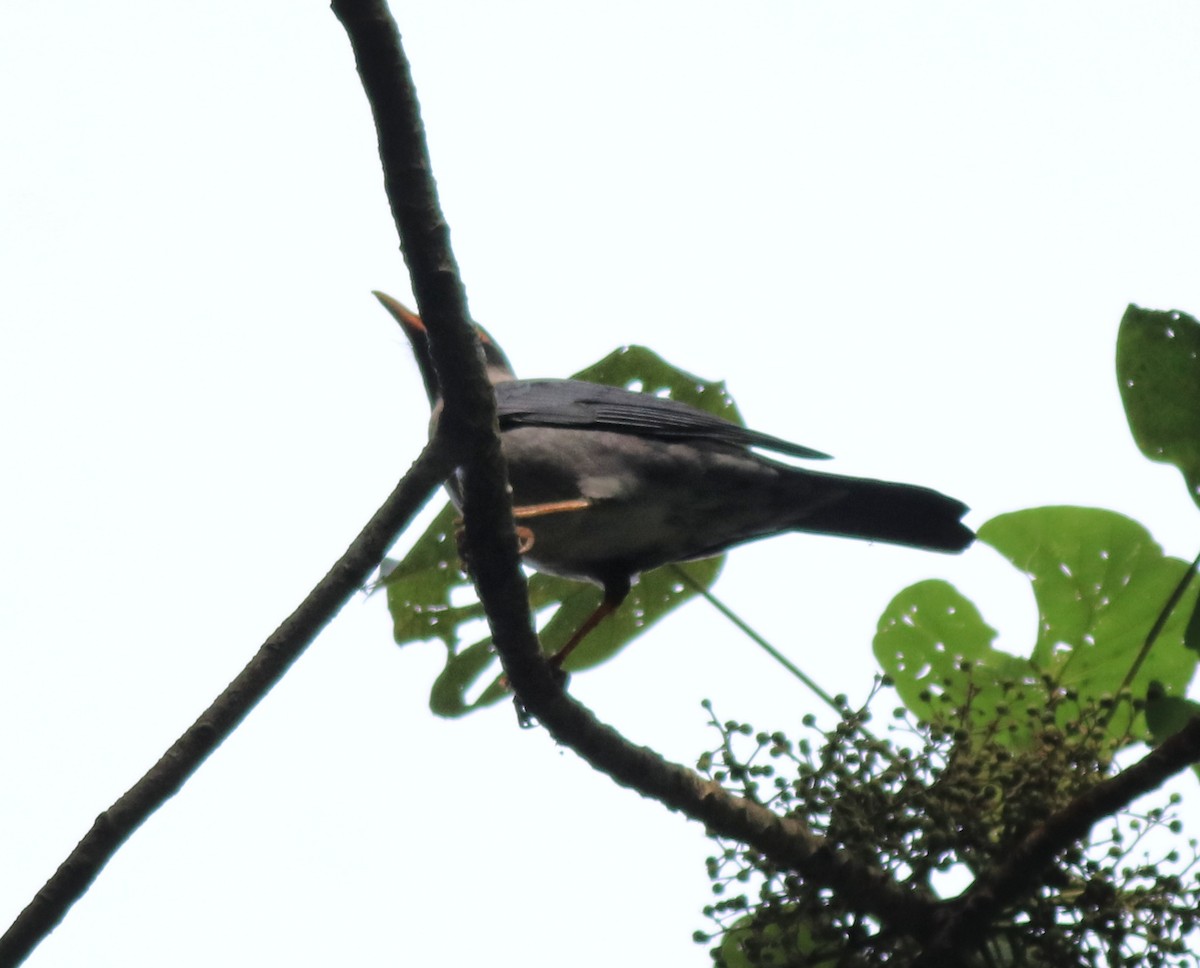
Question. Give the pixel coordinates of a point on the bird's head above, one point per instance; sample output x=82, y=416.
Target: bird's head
x=496, y=363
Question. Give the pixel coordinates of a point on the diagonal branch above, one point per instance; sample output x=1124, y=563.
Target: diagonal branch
x=284, y=646
x=470, y=414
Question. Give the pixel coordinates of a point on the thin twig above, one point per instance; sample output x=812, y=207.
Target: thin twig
x=1160, y=623
x=783, y=660
x=812, y=685
x=284, y=646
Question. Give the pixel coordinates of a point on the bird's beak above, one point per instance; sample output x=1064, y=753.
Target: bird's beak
x=409, y=321
x=498, y=368
x=414, y=329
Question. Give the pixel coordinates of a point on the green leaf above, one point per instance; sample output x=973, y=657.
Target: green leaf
x=658, y=593
x=463, y=669
x=1100, y=582
x=775, y=939
x=1158, y=372
x=421, y=587
x=1191, y=635
x=429, y=597
x=937, y=649
x=1167, y=715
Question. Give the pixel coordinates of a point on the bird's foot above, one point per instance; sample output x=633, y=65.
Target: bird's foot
x=525, y=537
x=524, y=543
x=525, y=718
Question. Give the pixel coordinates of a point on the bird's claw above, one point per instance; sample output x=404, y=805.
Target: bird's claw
x=525, y=541
x=526, y=719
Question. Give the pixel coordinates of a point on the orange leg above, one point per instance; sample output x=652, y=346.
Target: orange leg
x=603, y=610
x=525, y=541
x=614, y=595
x=553, y=507
x=616, y=589
x=607, y=606
x=525, y=537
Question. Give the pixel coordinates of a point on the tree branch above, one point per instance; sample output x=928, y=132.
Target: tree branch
x=467, y=437
x=113, y=827
x=470, y=413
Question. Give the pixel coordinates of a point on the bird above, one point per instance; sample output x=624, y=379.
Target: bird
x=608, y=483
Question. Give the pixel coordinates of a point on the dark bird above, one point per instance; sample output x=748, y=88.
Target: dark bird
x=608, y=483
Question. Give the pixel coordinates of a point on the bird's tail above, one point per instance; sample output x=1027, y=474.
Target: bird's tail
x=902, y=514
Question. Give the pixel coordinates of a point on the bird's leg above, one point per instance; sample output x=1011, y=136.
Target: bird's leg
x=614, y=594
x=524, y=535
x=615, y=590
x=524, y=511
x=603, y=610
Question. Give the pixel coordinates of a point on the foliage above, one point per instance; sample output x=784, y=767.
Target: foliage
x=935, y=805
x=1099, y=580
x=1158, y=373
x=989, y=745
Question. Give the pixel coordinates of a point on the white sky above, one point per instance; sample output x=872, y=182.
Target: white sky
x=904, y=233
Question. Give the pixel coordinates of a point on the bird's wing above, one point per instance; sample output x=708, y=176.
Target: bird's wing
x=576, y=403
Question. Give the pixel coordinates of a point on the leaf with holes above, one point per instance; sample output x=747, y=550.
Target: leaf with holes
x=422, y=587
x=1158, y=372
x=936, y=647
x=1100, y=582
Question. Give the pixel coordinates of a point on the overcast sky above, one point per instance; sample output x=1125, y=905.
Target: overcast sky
x=903, y=233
